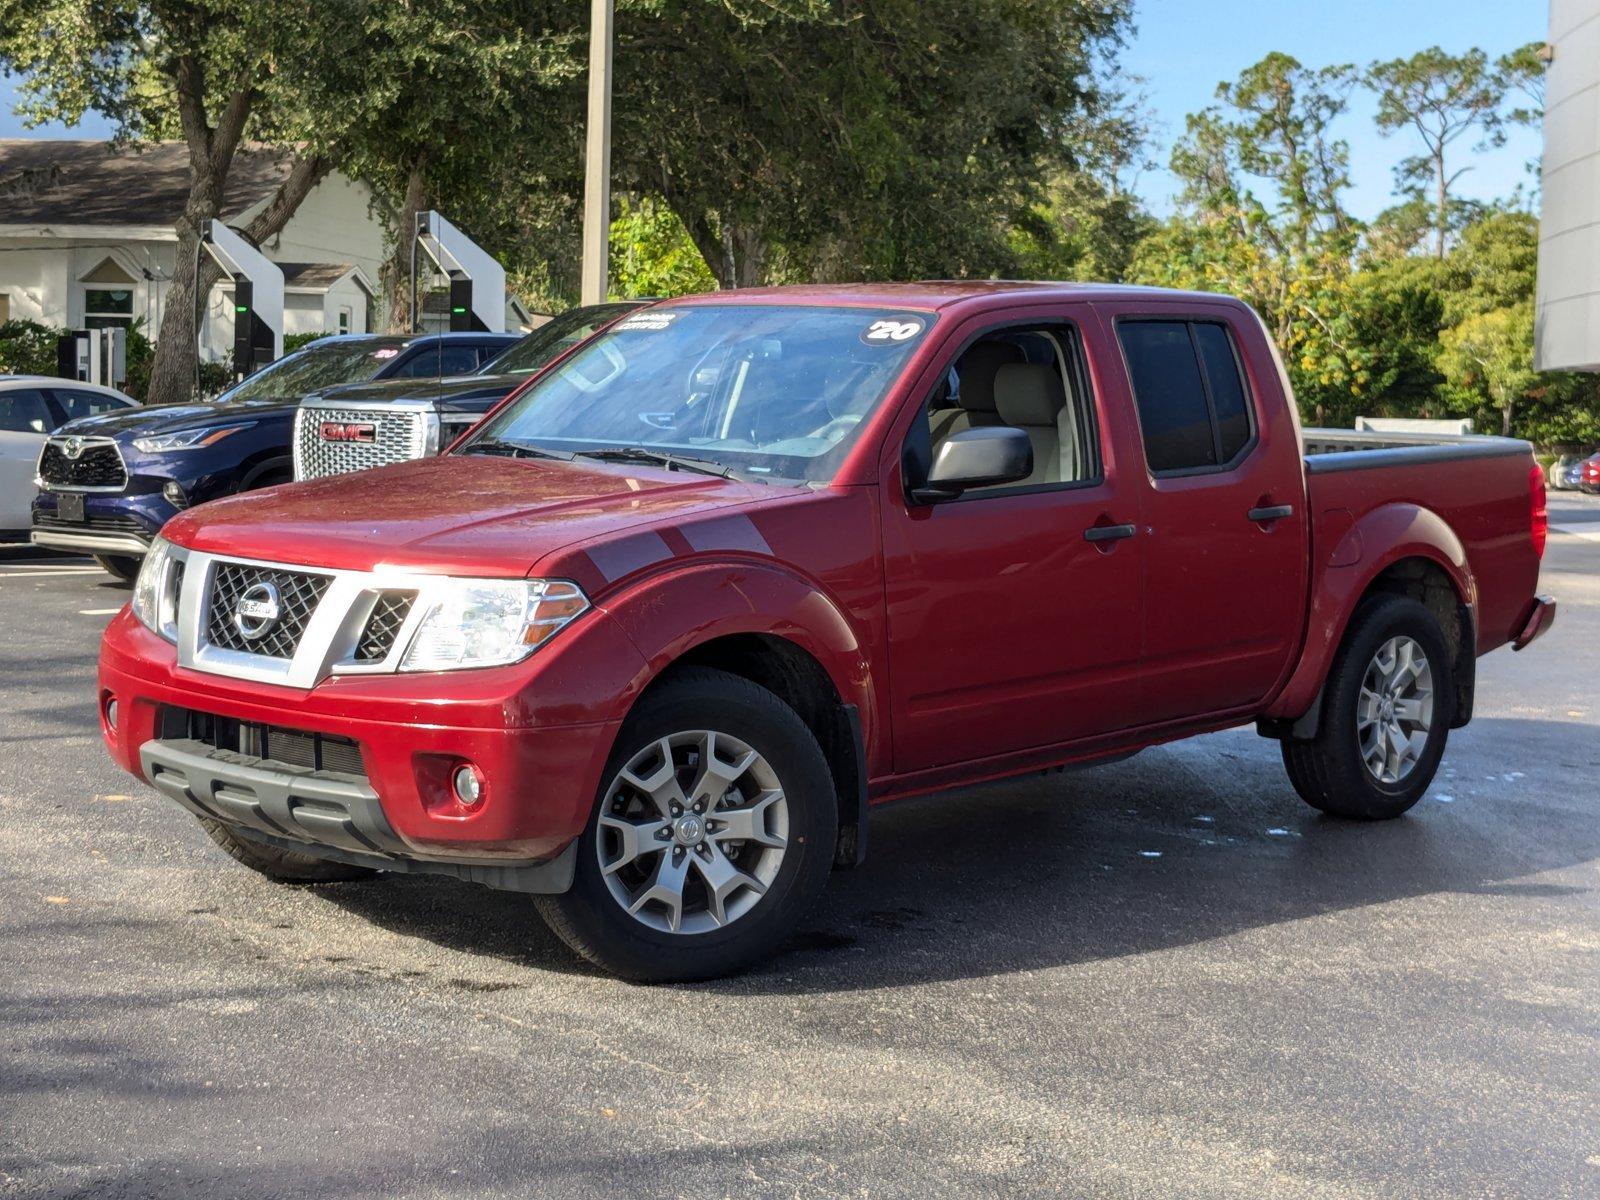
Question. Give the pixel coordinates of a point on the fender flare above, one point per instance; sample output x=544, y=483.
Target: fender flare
x=1378, y=540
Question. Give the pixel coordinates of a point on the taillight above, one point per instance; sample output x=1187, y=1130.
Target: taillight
x=1538, y=510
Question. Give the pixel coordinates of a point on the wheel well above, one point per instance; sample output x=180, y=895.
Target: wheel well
x=1430, y=585
x=799, y=680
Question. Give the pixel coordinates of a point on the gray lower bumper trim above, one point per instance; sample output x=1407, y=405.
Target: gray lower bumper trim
x=320, y=813
x=94, y=543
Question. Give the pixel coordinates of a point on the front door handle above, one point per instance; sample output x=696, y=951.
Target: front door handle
x=1108, y=533
x=1271, y=512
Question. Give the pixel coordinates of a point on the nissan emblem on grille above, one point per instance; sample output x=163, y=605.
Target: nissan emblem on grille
x=257, y=610
x=349, y=431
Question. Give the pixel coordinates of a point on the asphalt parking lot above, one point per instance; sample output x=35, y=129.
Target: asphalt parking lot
x=1164, y=978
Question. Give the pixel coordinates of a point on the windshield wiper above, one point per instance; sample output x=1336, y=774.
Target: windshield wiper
x=516, y=450
x=673, y=462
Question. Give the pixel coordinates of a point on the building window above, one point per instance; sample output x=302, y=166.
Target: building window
x=344, y=319
x=5, y=307
x=107, y=308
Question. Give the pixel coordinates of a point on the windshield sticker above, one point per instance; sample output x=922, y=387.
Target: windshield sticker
x=386, y=352
x=645, y=322
x=891, y=332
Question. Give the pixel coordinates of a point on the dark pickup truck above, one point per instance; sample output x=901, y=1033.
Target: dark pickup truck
x=652, y=638
x=345, y=429
x=108, y=483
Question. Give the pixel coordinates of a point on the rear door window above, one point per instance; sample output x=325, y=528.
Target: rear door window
x=85, y=404
x=1194, y=410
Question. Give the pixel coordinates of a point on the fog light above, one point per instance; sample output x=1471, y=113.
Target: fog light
x=173, y=492
x=468, y=784
x=111, y=714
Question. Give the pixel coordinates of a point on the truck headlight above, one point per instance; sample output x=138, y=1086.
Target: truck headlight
x=490, y=622
x=155, y=601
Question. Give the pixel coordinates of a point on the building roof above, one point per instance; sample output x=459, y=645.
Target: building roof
x=47, y=181
x=319, y=277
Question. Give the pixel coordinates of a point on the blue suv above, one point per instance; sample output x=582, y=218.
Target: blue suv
x=108, y=483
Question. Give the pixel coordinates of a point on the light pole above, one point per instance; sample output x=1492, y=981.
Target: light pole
x=597, y=156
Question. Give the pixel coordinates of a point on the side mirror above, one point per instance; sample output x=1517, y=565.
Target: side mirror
x=976, y=458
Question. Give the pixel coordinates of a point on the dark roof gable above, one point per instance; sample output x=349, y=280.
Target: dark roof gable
x=70, y=182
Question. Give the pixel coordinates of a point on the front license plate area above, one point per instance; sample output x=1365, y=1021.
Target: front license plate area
x=69, y=506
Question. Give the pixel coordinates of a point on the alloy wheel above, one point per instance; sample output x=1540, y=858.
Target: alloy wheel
x=1395, y=709
x=692, y=832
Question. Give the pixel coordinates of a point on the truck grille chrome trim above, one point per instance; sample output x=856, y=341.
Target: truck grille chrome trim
x=331, y=438
x=82, y=464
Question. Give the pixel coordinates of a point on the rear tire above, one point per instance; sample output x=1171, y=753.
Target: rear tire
x=284, y=866
x=1386, y=713
x=125, y=569
x=712, y=778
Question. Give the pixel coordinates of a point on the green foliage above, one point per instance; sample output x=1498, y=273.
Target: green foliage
x=295, y=341
x=28, y=348
x=651, y=254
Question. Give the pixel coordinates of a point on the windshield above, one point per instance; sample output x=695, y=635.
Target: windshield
x=551, y=338
x=768, y=390
x=319, y=365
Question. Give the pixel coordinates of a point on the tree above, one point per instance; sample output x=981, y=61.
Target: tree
x=220, y=75
x=1442, y=98
x=465, y=101
x=1490, y=354
x=811, y=139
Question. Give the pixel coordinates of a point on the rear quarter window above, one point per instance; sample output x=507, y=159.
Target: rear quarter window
x=1189, y=388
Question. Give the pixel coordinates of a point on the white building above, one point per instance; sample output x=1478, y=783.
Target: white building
x=87, y=239
x=1567, y=325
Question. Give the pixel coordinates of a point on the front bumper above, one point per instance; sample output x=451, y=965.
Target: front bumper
x=117, y=524
x=542, y=761
x=319, y=813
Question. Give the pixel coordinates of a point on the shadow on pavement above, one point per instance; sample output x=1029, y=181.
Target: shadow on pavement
x=1181, y=845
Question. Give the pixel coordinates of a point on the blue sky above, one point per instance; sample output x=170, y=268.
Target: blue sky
x=1184, y=48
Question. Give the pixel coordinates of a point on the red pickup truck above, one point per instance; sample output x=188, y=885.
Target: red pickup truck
x=651, y=640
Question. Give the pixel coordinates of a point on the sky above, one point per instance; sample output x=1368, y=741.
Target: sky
x=1184, y=48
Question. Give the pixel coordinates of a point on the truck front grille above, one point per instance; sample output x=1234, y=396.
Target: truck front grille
x=88, y=464
x=383, y=626
x=273, y=743
x=296, y=594
x=335, y=441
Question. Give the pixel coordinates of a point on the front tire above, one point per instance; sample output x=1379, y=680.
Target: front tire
x=125, y=569
x=1387, y=708
x=284, y=866
x=712, y=834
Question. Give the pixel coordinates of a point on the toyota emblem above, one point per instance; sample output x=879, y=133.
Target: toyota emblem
x=257, y=611
x=72, y=447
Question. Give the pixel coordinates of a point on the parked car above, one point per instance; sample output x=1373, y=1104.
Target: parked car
x=651, y=639
x=31, y=408
x=1566, y=472
x=1589, y=475
x=365, y=425
x=135, y=469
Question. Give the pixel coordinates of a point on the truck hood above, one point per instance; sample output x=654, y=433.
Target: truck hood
x=139, y=422
x=444, y=393
x=473, y=515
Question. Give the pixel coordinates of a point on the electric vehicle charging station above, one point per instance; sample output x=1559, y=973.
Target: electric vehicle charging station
x=257, y=298
x=477, y=281
x=94, y=356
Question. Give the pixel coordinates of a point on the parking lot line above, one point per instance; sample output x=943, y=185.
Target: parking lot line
x=51, y=574
x=99, y=612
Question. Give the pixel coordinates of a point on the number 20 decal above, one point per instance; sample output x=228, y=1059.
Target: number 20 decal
x=894, y=330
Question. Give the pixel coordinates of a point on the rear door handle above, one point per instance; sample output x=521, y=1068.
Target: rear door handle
x=1108, y=533
x=1272, y=512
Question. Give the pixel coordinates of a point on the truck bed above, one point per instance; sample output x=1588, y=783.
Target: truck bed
x=1478, y=486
